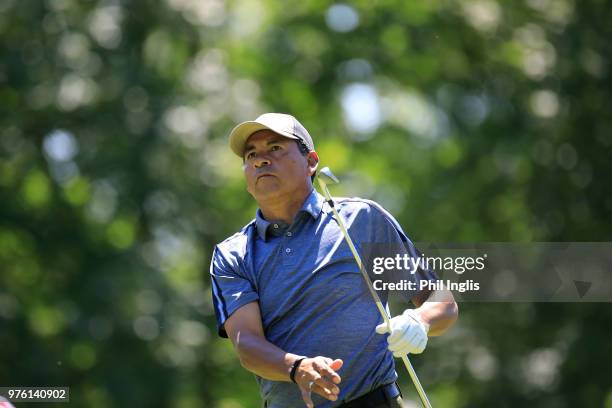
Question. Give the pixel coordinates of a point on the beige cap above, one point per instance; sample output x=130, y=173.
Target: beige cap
x=281, y=123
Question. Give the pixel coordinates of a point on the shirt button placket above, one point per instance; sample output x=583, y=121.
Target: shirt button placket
x=289, y=257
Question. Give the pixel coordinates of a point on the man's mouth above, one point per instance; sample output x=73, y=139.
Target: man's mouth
x=259, y=177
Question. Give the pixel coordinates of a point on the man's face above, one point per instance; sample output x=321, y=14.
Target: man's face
x=274, y=166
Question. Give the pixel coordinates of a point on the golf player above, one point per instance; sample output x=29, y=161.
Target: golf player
x=289, y=294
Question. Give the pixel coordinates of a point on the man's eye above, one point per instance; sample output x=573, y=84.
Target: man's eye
x=275, y=147
x=250, y=155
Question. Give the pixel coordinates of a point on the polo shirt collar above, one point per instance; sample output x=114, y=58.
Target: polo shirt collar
x=312, y=205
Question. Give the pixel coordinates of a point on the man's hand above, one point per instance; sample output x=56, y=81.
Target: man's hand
x=318, y=375
x=408, y=333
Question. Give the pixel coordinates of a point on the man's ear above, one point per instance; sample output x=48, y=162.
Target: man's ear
x=313, y=162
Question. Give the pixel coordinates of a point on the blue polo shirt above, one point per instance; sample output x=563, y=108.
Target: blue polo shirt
x=311, y=294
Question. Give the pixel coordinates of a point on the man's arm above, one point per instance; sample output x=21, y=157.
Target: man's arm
x=263, y=358
x=256, y=353
x=438, y=311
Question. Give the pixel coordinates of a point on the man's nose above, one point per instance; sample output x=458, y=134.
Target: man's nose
x=261, y=161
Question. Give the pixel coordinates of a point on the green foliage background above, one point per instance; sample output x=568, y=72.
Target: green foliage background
x=489, y=121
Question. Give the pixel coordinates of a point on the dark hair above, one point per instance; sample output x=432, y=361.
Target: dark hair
x=302, y=146
x=305, y=150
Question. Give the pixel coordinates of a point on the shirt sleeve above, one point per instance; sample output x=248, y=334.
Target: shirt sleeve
x=394, y=242
x=231, y=289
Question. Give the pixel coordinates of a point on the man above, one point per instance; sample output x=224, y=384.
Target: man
x=289, y=295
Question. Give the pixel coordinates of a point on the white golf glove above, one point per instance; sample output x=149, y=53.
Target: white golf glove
x=408, y=333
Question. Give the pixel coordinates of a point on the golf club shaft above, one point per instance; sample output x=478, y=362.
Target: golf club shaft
x=379, y=305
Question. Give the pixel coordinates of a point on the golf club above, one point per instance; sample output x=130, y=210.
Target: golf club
x=325, y=176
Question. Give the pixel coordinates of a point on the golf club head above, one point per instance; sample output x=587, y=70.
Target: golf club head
x=327, y=176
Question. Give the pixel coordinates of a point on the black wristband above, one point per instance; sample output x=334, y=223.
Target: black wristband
x=295, y=366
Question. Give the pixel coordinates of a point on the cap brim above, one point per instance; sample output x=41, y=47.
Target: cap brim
x=243, y=131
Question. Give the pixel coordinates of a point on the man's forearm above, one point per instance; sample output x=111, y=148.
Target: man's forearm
x=439, y=312
x=264, y=358
x=438, y=315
